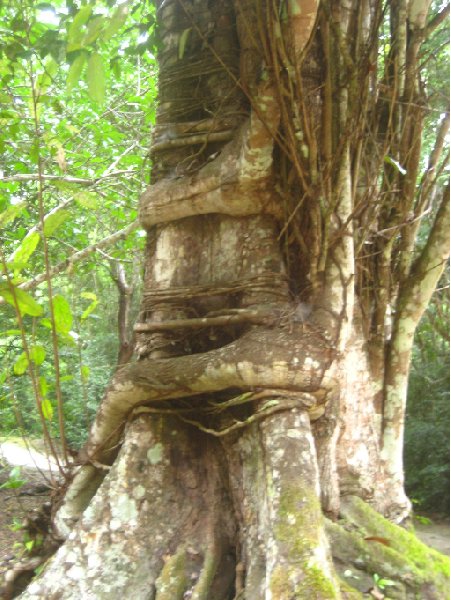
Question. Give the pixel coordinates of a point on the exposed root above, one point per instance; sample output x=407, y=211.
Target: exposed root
x=364, y=544
x=275, y=359
x=171, y=584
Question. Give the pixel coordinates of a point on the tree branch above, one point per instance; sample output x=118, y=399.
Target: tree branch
x=78, y=256
x=436, y=22
x=64, y=178
x=418, y=288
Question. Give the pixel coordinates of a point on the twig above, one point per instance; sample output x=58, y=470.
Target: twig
x=64, y=178
x=77, y=256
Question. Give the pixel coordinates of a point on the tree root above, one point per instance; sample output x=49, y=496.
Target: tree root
x=365, y=545
x=276, y=359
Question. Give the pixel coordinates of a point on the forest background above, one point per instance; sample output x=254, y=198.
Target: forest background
x=77, y=106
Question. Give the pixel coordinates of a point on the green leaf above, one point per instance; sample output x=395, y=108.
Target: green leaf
x=182, y=42
x=94, y=28
x=74, y=33
x=14, y=480
x=27, y=304
x=394, y=163
x=47, y=409
x=116, y=22
x=11, y=213
x=91, y=307
x=75, y=71
x=86, y=199
x=34, y=152
x=96, y=78
x=21, y=364
x=53, y=221
x=26, y=248
x=43, y=386
x=62, y=314
x=37, y=354
x=85, y=370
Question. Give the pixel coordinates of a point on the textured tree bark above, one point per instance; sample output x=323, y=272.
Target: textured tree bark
x=215, y=457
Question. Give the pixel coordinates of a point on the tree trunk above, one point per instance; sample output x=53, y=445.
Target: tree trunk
x=244, y=439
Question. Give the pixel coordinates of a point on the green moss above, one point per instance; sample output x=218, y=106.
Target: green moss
x=298, y=532
x=299, y=511
x=208, y=572
x=401, y=540
x=405, y=559
x=172, y=580
x=313, y=586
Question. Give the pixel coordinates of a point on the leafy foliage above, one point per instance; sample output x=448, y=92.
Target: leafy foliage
x=428, y=413
x=76, y=107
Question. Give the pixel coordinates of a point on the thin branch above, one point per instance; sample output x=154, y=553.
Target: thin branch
x=38, y=227
x=426, y=270
x=65, y=178
x=78, y=256
x=436, y=22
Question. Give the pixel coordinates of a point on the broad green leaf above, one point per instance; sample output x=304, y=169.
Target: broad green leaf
x=75, y=71
x=66, y=378
x=34, y=151
x=47, y=409
x=27, y=304
x=182, y=42
x=37, y=354
x=95, y=26
x=86, y=199
x=63, y=314
x=43, y=386
x=11, y=213
x=21, y=364
x=12, y=484
x=14, y=479
x=96, y=78
x=115, y=67
x=53, y=221
x=85, y=370
x=74, y=33
x=26, y=248
x=15, y=473
x=15, y=265
x=46, y=322
x=116, y=22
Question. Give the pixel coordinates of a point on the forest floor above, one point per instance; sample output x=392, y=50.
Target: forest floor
x=17, y=504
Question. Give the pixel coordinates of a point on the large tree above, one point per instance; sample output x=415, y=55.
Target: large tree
x=293, y=245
